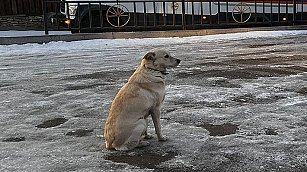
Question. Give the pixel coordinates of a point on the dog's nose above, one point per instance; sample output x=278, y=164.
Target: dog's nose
x=178, y=61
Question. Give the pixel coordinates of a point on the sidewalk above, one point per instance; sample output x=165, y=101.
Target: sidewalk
x=23, y=37
x=18, y=33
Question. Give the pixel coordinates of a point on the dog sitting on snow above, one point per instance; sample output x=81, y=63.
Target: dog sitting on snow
x=140, y=97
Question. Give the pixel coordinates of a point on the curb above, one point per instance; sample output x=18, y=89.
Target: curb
x=141, y=34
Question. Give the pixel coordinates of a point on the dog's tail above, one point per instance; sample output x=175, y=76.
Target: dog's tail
x=108, y=140
x=109, y=146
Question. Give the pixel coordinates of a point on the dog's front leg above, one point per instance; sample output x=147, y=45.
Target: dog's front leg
x=146, y=134
x=156, y=120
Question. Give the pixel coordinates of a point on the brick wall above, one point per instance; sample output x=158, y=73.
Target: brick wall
x=21, y=22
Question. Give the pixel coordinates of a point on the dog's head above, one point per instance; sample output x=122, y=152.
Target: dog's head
x=159, y=59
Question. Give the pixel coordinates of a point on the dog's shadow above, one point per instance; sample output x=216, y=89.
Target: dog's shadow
x=146, y=158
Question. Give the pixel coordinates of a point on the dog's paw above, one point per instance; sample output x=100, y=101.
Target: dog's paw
x=162, y=139
x=148, y=136
x=143, y=144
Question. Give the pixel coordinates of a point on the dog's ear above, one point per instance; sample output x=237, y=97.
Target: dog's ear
x=149, y=56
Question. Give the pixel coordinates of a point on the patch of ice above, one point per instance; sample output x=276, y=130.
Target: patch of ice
x=298, y=101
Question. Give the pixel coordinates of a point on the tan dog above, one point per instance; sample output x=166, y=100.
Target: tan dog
x=140, y=97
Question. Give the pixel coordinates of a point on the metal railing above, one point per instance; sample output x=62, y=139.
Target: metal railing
x=132, y=15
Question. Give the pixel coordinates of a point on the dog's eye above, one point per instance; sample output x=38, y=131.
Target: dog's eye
x=166, y=56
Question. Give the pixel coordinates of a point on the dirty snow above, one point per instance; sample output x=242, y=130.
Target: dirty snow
x=54, y=99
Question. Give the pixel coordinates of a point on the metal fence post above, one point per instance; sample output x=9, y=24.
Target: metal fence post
x=45, y=17
x=294, y=12
x=183, y=16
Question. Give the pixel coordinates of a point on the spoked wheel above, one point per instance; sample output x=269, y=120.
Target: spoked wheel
x=241, y=13
x=118, y=15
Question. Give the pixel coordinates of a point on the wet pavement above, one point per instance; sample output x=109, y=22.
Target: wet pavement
x=237, y=102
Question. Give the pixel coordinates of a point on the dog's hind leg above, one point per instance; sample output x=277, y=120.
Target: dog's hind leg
x=135, y=139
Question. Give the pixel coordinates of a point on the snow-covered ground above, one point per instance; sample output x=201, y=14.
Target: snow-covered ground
x=237, y=102
x=14, y=33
